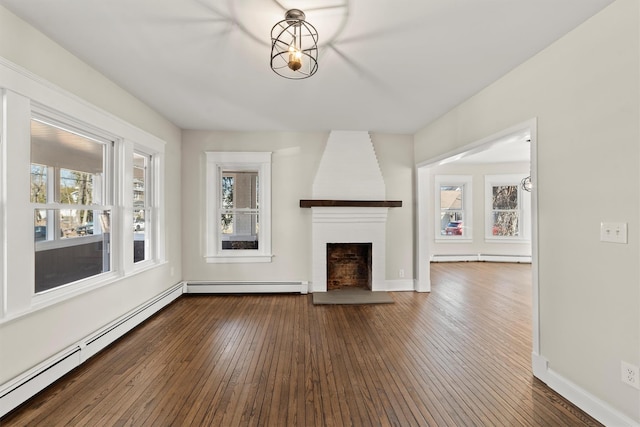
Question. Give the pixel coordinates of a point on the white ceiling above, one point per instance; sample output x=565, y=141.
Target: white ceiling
x=384, y=66
x=512, y=148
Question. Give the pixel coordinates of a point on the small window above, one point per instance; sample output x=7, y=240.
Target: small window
x=507, y=208
x=238, y=207
x=505, y=212
x=69, y=194
x=453, y=218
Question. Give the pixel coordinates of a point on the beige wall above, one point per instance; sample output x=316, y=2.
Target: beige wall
x=296, y=157
x=584, y=92
x=30, y=339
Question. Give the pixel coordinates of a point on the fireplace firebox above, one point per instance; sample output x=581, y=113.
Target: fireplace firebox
x=348, y=265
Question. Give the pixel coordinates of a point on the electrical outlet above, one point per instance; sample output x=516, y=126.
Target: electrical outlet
x=630, y=374
x=401, y=273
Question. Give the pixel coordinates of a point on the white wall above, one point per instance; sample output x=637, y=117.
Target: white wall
x=478, y=245
x=296, y=157
x=32, y=338
x=584, y=92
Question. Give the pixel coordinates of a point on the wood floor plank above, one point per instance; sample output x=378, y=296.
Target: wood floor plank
x=460, y=355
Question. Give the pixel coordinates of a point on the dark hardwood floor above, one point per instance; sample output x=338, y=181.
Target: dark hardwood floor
x=459, y=356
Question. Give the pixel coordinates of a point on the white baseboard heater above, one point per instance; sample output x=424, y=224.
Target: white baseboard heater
x=481, y=257
x=27, y=385
x=233, y=287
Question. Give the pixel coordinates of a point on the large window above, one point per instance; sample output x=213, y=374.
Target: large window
x=69, y=187
x=453, y=204
x=507, y=208
x=238, y=207
x=70, y=195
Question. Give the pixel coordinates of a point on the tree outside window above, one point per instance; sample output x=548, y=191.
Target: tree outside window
x=505, y=213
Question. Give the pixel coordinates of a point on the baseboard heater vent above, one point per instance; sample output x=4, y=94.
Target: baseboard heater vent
x=481, y=257
x=27, y=385
x=231, y=287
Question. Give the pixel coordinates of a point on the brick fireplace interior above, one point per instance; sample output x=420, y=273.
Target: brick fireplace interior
x=348, y=265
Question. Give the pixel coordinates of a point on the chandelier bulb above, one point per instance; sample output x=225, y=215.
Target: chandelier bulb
x=295, y=62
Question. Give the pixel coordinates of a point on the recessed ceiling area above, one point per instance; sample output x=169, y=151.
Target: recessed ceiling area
x=383, y=66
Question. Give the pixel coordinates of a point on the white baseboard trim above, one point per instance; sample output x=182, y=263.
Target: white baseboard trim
x=482, y=257
x=398, y=285
x=598, y=409
x=231, y=287
x=18, y=390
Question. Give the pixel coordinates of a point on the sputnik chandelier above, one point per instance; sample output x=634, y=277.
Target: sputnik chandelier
x=294, y=46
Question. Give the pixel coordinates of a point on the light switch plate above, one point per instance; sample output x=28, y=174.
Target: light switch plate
x=614, y=232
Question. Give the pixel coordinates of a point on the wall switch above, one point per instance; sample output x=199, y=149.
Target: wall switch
x=614, y=232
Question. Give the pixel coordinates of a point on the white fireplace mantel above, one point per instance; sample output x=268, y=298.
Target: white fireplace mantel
x=348, y=225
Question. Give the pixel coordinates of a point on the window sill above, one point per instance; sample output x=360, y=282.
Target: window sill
x=453, y=239
x=507, y=240
x=239, y=258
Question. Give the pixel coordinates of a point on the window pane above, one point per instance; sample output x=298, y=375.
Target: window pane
x=452, y=224
x=239, y=216
x=450, y=197
x=505, y=223
x=140, y=241
x=76, y=187
x=239, y=190
x=67, y=260
x=227, y=192
x=40, y=225
x=38, y=183
x=75, y=222
x=239, y=230
x=505, y=197
x=67, y=223
x=141, y=250
x=78, y=162
x=451, y=210
x=139, y=181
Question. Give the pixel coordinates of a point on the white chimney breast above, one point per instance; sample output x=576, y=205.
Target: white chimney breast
x=349, y=169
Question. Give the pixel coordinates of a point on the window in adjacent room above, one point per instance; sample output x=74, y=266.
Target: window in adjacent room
x=70, y=195
x=238, y=207
x=453, y=204
x=507, y=208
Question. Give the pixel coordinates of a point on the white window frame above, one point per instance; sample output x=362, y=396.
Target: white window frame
x=464, y=181
x=150, y=206
x=216, y=162
x=154, y=226
x=3, y=235
x=69, y=124
x=23, y=94
x=524, y=208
